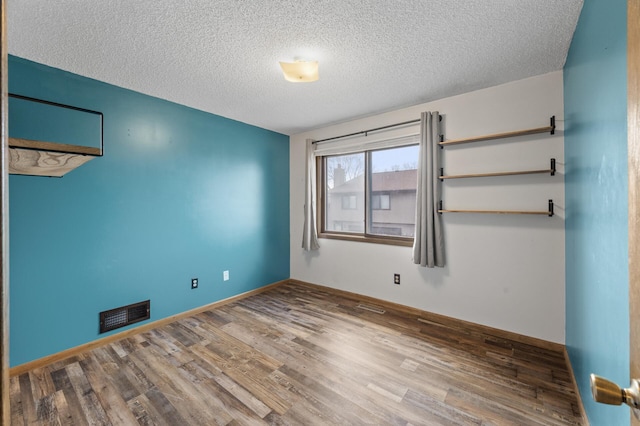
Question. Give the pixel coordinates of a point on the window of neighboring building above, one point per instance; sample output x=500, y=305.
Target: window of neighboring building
x=369, y=195
x=380, y=202
x=349, y=202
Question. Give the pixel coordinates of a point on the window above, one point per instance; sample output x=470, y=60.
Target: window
x=349, y=202
x=380, y=202
x=369, y=195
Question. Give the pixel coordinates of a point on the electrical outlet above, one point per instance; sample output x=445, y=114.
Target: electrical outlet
x=396, y=279
x=225, y=276
x=194, y=283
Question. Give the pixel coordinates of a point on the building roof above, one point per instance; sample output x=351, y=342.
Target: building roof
x=402, y=180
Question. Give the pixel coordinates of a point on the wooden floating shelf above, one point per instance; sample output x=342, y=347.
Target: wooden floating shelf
x=547, y=129
x=496, y=211
x=527, y=172
x=551, y=170
x=549, y=212
x=39, y=158
x=51, y=159
x=54, y=147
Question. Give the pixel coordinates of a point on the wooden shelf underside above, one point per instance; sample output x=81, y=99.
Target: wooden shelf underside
x=475, y=175
x=36, y=158
x=546, y=129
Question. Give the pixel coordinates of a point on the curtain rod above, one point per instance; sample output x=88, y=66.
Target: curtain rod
x=367, y=131
x=370, y=130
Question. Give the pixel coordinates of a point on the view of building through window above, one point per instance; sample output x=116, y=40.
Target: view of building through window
x=392, y=179
x=345, y=193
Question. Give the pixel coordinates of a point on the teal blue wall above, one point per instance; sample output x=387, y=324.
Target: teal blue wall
x=595, y=96
x=178, y=194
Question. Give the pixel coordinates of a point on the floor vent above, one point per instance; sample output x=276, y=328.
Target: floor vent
x=371, y=308
x=125, y=315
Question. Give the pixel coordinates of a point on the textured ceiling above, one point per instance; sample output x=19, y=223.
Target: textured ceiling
x=222, y=56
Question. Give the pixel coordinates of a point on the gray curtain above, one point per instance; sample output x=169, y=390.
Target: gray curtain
x=428, y=242
x=310, y=233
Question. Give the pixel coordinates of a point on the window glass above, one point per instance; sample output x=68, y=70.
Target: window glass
x=388, y=178
x=344, y=189
x=393, y=181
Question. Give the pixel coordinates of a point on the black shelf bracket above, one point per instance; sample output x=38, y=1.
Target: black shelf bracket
x=552, y=123
x=553, y=167
x=550, y=208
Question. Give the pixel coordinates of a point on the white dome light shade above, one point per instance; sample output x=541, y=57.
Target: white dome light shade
x=300, y=71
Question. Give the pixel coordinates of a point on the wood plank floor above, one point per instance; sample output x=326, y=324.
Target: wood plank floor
x=299, y=355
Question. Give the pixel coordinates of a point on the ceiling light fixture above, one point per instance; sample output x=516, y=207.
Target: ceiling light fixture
x=300, y=71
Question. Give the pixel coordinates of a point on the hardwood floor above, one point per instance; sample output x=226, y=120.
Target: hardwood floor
x=300, y=355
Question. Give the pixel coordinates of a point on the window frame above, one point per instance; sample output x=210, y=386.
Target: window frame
x=321, y=200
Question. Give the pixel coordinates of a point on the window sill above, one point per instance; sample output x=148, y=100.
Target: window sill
x=393, y=241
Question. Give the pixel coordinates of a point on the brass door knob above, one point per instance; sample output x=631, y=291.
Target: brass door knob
x=607, y=392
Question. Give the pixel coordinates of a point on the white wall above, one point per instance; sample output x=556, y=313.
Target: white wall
x=503, y=271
